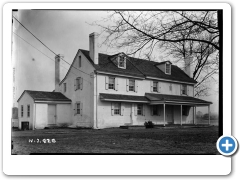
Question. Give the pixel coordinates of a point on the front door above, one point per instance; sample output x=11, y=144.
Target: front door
x=169, y=114
x=52, y=114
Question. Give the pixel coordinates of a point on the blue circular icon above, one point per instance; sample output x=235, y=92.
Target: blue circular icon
x=227, y=145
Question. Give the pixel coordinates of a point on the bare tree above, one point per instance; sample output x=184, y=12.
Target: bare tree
x=178, y=34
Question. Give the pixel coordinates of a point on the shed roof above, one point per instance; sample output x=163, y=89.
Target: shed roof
x=121, y=97
x=175, y=98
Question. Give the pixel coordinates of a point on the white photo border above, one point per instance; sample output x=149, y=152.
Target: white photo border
x=113, y=164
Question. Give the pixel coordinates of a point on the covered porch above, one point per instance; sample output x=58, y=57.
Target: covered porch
x=186, y=105
x=161, y=109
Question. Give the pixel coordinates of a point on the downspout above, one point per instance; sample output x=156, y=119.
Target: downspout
x=96, y=104
x=34, y=116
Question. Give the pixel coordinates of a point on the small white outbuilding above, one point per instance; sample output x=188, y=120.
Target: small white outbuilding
x=40, y=109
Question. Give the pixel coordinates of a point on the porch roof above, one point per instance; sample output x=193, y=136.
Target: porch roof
x=123, y=98
x=174, y=99
x=155, y=99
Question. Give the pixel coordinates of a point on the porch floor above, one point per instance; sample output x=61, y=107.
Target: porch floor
x=166, y=126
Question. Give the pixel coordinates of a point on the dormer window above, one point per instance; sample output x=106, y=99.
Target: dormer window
x=165, y=67
x=122, y=62
x=168, y=68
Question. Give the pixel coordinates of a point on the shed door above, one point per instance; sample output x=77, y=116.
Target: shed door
x=52, y=114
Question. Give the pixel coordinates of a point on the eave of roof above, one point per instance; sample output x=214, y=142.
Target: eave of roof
x=155, y=99
x=123, y=98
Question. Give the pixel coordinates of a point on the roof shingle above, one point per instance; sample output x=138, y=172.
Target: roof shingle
x=138, y=67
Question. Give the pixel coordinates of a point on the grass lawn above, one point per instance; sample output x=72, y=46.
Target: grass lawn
x=122, y=141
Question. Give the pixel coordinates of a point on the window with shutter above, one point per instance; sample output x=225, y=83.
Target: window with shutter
x=117, y=108
x=78, y=108
x=78, y=82
x=184, y=89
x=140, y=109
x=131, y=85
x=111, y=83
x=155, y=86
x=28, y=110
x=154, y=110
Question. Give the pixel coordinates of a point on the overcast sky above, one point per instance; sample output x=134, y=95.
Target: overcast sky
x=64, y=32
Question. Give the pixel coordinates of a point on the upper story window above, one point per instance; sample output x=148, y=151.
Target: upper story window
x=168, y=68
x=79, y=61
x=64, y=87
x=184, y=89
x=122, y=62
x=111, y=83
x=28, y=110
x=21, y=110
x=131, y=85
x=155, y=86
x=79, y=83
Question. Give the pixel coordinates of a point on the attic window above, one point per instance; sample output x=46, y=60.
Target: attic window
x=122, y=62
x=168, y=68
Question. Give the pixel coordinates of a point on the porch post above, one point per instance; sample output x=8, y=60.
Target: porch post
x=194, y=114
x=209, y=114
x=181, y=115
x=164, y=114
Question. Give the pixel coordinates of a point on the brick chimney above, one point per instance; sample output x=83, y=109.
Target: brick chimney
x=93, y=47
x=188, y=66
x=57, y=72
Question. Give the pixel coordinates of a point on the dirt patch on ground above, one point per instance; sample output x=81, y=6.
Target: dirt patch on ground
x=117, y=141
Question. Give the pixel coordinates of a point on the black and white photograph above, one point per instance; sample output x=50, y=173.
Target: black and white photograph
x=116, y=81
x=123, y=88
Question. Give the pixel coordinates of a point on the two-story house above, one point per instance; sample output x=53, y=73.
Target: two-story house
x=112, y=90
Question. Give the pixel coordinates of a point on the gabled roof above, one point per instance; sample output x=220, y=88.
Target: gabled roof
x=138, y=67
x=105, y=64
x=163, y=62
x=46, y=96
